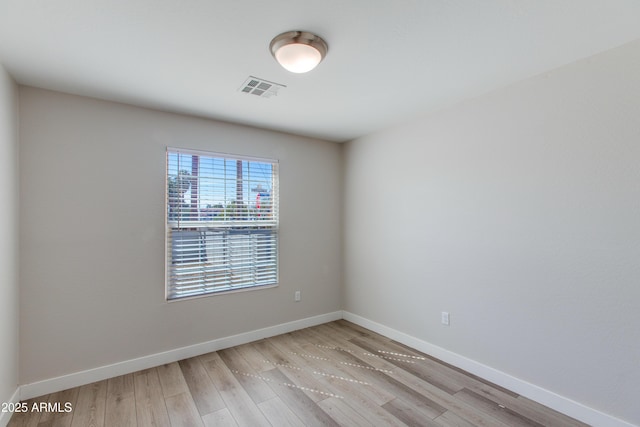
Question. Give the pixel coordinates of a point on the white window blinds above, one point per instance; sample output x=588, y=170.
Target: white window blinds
x=222, y=223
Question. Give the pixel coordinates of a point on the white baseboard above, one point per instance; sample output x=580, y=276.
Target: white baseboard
x=545, y=397
x=76, y=379
x=6, y=416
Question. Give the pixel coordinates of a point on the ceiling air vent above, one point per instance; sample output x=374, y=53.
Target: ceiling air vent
x=260, y=87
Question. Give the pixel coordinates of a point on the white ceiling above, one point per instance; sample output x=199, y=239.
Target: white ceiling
x=388, y=60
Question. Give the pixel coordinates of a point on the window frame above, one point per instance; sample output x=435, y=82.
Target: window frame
x=226, y=228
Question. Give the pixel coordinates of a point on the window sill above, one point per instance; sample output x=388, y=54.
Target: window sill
x=226, y=292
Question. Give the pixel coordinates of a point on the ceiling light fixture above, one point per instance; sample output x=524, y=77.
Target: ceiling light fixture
x=298, y=51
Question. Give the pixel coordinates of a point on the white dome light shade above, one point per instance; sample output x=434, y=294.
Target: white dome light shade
x=298, y=58
x=298, y=51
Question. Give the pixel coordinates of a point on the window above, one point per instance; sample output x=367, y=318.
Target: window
x=222, y=223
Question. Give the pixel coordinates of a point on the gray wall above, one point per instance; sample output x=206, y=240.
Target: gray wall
x=518, y=212
x=92, y=233
x=8, y=236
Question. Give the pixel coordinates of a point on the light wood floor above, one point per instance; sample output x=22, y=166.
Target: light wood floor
x=333, y=374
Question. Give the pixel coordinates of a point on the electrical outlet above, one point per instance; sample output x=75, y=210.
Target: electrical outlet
x=296, y=296
x=445, y=318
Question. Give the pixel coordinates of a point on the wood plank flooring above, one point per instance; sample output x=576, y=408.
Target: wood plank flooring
x=336, y=374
